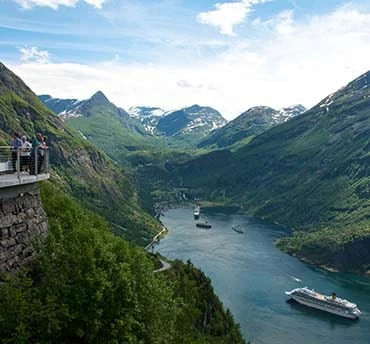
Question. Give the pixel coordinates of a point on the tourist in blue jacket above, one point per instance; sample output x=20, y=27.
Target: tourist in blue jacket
x=16, y=145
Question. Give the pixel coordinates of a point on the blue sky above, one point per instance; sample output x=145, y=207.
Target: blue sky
x=230, y=55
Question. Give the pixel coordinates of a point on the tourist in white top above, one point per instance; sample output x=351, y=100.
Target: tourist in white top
x=25, y=153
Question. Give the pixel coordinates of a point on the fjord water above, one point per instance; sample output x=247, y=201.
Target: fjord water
x=250, y=275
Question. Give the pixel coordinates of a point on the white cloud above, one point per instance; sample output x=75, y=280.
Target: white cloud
x=34, y=54
x=289, y=63
x=187, y=84
x=95, y=3
x=228, y=14
x=54, y=4
x=284, y=22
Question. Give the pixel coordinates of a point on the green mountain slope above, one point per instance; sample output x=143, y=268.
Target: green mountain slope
x=311, y=173
x=251, y=123
x=314, y=165
x=77, y=166
x=109, y=128
x=243, y=128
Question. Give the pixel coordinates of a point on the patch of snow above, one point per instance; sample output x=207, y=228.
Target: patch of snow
x=70, y=114
x=328, y=101
x=82, y=135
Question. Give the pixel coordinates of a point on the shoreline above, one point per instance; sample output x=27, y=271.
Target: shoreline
x=326, y=267
x=156, y=238
x=307, y=261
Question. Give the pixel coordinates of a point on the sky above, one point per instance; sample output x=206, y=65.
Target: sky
x=230, y=55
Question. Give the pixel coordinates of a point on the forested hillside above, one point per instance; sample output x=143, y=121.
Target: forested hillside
x=89, y=286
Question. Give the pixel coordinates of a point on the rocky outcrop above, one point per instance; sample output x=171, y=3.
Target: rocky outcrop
x=23, y=223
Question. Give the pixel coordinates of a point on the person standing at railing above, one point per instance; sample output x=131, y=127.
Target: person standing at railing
x=25, y=153
x=16, y=145
x=35, y=154
x=43, y=148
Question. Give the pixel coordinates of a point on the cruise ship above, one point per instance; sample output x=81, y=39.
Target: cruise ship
x=331, y=304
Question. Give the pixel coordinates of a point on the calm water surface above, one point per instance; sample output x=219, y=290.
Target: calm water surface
x=250, y=275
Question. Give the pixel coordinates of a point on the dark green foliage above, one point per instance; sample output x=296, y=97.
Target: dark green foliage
x=88, y=286
x=202, y=315
x=346, y=249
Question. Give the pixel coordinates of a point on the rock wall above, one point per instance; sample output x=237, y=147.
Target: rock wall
x=23, y=223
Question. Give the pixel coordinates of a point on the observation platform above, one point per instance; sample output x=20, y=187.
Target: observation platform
x=8, y=180
x=23, y=165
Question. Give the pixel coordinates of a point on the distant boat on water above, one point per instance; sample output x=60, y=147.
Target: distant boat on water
x=203, y=224
x=238, y=229
x=196, y=212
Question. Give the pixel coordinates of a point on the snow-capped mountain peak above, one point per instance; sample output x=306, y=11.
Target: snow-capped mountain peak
x=148, y=115
x=286, y=113
x=145, y=111
x=187, y=120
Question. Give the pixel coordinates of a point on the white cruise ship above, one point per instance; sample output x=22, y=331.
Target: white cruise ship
x=331, y=304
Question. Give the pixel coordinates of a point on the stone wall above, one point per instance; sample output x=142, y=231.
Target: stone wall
x=23, y=223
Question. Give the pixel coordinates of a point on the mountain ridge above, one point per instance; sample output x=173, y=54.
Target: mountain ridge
x=187, y=125
x=200, y=126
x=250, y=123
x=197, y=119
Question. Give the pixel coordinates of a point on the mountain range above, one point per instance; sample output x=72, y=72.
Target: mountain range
x=189, y=126
x=185, y=123
x=188, y=123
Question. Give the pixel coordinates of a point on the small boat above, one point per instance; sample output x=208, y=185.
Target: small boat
x=196, y=212
x=237, y=228
x=331, y=304
x=203, y=224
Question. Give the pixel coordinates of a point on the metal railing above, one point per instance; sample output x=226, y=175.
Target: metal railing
x=23, y=161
